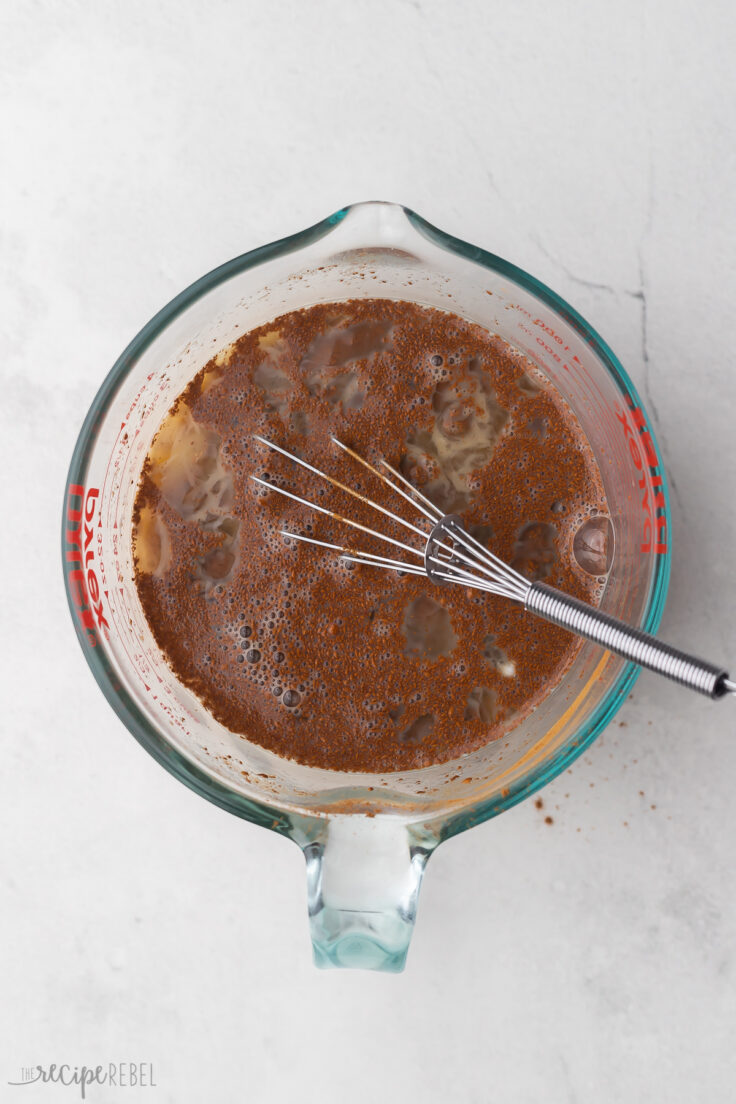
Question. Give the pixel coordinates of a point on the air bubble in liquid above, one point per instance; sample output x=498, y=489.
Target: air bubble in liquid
x=592, y=545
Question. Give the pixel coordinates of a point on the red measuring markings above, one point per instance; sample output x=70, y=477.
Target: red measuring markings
x=649, y=480
x=80, y=560
x=560, y=351
x=137, y=396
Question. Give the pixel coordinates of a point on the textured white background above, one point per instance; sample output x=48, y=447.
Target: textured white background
x=591, y=143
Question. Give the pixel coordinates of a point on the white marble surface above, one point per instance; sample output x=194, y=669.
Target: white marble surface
x=593, y=144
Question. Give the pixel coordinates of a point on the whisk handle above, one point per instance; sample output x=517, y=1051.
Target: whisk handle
x=633, y=644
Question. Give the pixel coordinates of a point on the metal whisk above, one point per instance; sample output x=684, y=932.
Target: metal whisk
x=448, y=553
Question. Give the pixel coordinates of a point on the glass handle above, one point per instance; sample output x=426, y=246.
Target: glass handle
x=363, y=879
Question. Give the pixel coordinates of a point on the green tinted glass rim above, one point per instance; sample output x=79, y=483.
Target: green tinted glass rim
x=125, y=706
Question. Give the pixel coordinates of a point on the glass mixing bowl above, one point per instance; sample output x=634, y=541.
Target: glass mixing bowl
x=366, y=838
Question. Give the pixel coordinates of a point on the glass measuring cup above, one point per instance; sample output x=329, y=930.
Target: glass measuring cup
x=366, y=837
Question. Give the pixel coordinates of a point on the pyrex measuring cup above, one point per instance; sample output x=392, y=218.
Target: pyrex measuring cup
x=366, y=837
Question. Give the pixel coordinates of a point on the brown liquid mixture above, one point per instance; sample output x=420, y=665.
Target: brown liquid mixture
x=345, y=666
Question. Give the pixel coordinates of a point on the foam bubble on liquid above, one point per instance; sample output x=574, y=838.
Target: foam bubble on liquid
x=593, y=545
